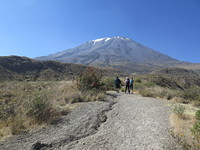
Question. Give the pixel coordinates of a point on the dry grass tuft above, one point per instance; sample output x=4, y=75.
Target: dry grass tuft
x=182, y=128
x=158, y=92
x=28, y=105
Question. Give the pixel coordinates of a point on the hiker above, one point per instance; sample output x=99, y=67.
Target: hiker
x=131, y=85
x=127, y=85
x=117, y=84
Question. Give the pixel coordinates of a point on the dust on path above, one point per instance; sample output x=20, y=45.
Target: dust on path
x=133, y=123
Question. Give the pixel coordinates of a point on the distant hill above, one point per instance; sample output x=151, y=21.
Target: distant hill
x=175, y=78
x=191, y=66
x=117, y=52
x=22, y=68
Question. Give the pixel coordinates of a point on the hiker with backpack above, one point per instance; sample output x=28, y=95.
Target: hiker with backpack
x=131, y=85
x=127, y=85
x=117, y=84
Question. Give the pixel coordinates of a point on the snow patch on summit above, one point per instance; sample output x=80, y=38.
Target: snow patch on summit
x=99, y=40
x=107, y=39
x=122, y=38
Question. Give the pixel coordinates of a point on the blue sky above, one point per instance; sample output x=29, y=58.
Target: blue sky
x=40, y=27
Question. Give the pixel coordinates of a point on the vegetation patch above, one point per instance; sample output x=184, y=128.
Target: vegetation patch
x=89, y=80
x=192, y=94
x=27, y=105
x=179, y=110
x=91, y=86
x=186, y=128
x=197, y=115
x=181, y=87
x=108, y=83
x=196, y=131
x=39, y=108
x=175, y=83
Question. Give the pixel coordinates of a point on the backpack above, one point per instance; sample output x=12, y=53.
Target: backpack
x=127, y=82
x=117, y=82
x=131, y=82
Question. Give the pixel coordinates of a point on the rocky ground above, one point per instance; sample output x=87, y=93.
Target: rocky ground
x=123, y=122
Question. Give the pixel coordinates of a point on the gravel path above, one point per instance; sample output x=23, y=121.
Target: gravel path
x=133, y=123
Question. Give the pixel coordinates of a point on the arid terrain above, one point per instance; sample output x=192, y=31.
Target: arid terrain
x=53, y=105
x=122, y=122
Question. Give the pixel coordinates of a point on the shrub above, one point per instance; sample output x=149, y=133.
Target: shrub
x=196, y=131
x=138, y=86
x=41, y=110
x=138, y=81
x=73, y=97
x=25, y=105
x=192, y=94
x=197, y=115
x=101, y=96
x=196, y=103
x=149, y=84
x=63, y=110
x=109, y=83
x=178, y=110
x=141, y=85
x=89, y=80
x=165, y=92
x=17, y=125
x=90, y=84
x=7, y=110
x=148, y=93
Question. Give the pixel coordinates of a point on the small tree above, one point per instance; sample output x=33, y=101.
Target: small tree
x=90, y=79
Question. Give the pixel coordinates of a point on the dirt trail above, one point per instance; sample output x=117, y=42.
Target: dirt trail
x=133, y=123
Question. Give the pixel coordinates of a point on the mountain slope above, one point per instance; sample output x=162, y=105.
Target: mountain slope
x=175, y=78
x=117, y=52
x=23, y=68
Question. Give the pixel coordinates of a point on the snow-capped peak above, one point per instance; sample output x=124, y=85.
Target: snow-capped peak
x=107, y=39
x=99, y=40
x=122, y=38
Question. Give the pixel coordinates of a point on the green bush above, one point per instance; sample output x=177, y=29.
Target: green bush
x=138, y=81
x=41, y=110
x=178, y=110
x=149, y=84
x=147, y=93
x=192, y=94
x=145, y=84
x=196, y=131
x=109, y=83
x=138, y=86
x=197, y=115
